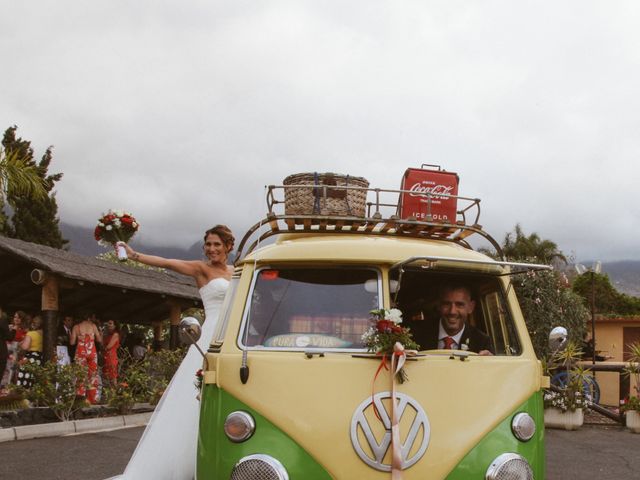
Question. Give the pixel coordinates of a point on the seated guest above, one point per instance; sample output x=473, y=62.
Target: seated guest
x=136, y=346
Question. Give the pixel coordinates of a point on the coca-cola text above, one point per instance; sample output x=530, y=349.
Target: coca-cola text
x=433, y=190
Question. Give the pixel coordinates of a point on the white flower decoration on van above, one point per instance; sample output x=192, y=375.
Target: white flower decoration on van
x=395, y=315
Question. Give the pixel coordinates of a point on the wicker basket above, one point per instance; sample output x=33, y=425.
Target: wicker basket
x=314, y=195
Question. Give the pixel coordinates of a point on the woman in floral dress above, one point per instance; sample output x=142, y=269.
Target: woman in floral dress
x=111, y=345
x=84, y=336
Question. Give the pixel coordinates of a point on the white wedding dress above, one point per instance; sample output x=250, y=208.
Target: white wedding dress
x=167, y=448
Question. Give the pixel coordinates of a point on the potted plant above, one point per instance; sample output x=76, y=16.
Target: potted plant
x=631, y=406
x=564, y=403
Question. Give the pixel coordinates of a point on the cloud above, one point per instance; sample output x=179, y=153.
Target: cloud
x=182, y=113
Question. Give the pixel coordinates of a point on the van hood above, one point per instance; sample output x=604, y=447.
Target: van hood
x=324, y=403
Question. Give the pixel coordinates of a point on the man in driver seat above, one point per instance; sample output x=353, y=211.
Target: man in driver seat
x=452, y=331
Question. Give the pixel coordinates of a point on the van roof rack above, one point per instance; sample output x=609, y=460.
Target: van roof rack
x=380, y=218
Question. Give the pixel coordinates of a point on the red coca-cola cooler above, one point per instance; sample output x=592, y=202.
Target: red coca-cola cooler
x=423, y=198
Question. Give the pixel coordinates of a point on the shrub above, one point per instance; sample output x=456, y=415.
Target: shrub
x=120, y=397
x=143, y=380
x=548, y=302
x=54, y=386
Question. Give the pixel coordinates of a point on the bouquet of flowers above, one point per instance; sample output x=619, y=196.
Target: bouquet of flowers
x=113, y=227
x=386, y=337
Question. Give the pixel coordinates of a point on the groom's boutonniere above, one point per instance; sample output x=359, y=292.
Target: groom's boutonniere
x=465, y=345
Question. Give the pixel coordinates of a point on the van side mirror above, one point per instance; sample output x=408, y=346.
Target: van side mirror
x=558, y=339
x=189, y=330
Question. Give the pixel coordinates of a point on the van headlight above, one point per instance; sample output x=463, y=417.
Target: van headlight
x=259, y=467
x=239, y=426
x=523, y=426
x=511, y=466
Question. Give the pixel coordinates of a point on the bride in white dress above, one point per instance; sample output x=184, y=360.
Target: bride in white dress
x=167, y=448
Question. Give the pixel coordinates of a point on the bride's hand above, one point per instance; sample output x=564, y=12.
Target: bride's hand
x=130, y=251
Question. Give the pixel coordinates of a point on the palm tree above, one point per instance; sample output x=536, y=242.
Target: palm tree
x=518, y=246
x=18, y=177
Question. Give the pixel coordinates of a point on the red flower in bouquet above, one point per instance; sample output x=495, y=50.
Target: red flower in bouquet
x=385, y=336
x=387, y=326
x=115, y=226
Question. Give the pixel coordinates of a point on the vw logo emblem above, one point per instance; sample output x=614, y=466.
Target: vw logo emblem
x=371, y=438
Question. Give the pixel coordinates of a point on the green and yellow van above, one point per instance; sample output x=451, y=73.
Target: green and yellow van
x=290, y=391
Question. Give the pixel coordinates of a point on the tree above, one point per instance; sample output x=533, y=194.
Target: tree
x=545, y=297
x=607, y=300
x=17, y=177
x=34, y=219
x=546, y=302
x=518, y=246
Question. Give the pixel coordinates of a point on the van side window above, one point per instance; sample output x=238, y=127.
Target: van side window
x=499, y=328
x=418, y=298
x=300, y=308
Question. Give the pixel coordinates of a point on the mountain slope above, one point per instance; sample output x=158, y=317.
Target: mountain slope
x=81, y=241
x=624, y=274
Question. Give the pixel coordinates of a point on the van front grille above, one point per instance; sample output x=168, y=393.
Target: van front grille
x=259, y=467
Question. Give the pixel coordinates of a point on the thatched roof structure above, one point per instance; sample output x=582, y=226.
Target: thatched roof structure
x=118, y=291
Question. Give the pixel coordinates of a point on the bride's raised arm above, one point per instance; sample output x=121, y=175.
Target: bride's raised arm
x=218, y=242
x=192, y=268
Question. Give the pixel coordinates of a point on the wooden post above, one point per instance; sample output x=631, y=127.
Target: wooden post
x=49, y=307
x=174, y=318
x=157, y=335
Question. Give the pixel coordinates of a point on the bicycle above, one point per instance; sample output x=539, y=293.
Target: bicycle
x=590, y=387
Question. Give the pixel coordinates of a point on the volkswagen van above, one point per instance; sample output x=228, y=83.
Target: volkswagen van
x=291, y=392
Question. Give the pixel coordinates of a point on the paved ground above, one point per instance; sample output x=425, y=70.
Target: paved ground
x=93, y=456
x=592, y=452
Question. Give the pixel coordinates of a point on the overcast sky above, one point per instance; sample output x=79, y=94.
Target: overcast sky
x=182, y=111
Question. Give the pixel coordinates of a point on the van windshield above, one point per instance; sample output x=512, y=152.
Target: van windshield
x=302, y=308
